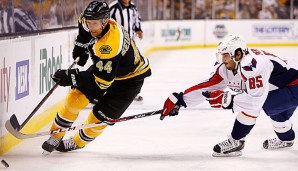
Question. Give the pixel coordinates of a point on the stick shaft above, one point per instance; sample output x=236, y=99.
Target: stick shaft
x=44, y=99
x=20, y=135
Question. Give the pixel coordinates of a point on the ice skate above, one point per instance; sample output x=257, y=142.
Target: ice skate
x=50, y=145
x=67, y=145
x=138, y=99
x=228, y=148
x=275, y=143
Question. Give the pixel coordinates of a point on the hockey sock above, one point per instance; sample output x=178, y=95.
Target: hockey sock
x=75, y=101
x=240, y=130
x=85, y=136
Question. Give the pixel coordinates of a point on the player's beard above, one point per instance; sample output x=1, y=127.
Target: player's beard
x=95, y=33
x=231, y=65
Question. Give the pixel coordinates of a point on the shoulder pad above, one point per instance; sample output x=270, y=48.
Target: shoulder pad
x=110, y=44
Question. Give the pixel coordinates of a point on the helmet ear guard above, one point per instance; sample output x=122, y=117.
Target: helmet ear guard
x=104, y=21
x=235, y=54
x=240, y=50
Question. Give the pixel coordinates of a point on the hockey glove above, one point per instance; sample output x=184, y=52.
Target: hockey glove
x=172, y=105
x=219, y=99
x=66, y=77
x=214, y=98
x=82, y=53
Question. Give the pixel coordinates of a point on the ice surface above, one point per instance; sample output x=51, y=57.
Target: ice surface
x=181, y=143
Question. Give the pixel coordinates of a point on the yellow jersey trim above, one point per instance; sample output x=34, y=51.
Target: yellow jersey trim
x=103, y=84
x=131, y=75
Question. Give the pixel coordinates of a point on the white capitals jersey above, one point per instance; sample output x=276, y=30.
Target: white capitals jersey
x=257, y=73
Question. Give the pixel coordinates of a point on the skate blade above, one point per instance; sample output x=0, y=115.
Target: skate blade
x=137, y=102
x=46, y=153
x=232, y=154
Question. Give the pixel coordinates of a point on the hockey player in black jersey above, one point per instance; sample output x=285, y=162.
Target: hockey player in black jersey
x=114, y=79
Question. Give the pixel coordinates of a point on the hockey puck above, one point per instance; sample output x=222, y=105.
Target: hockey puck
x=5, y=163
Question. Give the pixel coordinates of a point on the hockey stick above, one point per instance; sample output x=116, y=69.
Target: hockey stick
x=20, y=135
x=13, y=121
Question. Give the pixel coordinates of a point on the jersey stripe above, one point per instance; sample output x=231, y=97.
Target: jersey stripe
x=102, y=84
x=133, y=74
x=215, y=79
x=295, y=82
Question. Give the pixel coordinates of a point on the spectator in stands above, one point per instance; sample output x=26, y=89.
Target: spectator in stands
x=18, y=19
x=70, y=13
x=265, y=13
x=243, y=13
x=200, y=13
x=158, y=15
x=267, y=3
x=187, y=8
x=49, y=17
x=253, y=11
x=282, y=11
x=295, y=13
x=225, y=9
x=3, y=5
x=1, y=13
x=177, y=9
x=200, y=9
x=208, y=10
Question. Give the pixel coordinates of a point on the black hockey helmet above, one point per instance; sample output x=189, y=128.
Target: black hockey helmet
x=97, y=10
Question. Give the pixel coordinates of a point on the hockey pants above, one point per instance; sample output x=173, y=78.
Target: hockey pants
x=280, y=106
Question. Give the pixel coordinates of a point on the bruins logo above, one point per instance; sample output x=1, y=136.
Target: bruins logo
x=105, y=49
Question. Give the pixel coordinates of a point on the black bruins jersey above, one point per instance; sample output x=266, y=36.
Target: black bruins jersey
x=114, y=55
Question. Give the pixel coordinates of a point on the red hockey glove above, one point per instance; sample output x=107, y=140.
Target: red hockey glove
x=219, y=99
x=172, y=105
x=214, y=98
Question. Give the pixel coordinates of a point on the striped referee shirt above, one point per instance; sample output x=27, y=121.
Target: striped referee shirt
x=22, y=21
x=128, y=17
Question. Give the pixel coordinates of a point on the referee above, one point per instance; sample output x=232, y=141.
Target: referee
x=16, y=20
x=126, y=14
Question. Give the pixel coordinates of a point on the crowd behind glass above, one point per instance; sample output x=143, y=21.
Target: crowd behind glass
x=52, y=14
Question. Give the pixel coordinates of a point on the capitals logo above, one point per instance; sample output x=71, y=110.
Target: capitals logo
x=252, y=65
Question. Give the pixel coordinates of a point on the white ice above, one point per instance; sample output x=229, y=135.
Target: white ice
x=181, y=143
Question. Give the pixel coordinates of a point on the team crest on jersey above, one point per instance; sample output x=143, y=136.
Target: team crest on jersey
x=252, y=65
x=105, y=49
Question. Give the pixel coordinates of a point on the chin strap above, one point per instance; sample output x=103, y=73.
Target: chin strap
x=237, y=62
x=236, y=66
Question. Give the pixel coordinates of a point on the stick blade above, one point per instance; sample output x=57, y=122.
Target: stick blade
x=14, y=122
x=13, y=131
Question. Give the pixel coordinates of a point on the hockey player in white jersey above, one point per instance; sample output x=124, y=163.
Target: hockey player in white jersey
x=257, y=80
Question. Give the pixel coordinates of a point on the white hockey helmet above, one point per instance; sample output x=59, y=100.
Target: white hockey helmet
x=232, y=43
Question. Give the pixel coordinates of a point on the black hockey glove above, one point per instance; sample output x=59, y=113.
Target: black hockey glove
x=172, y=105
x=82, y=53
x=66, y=77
